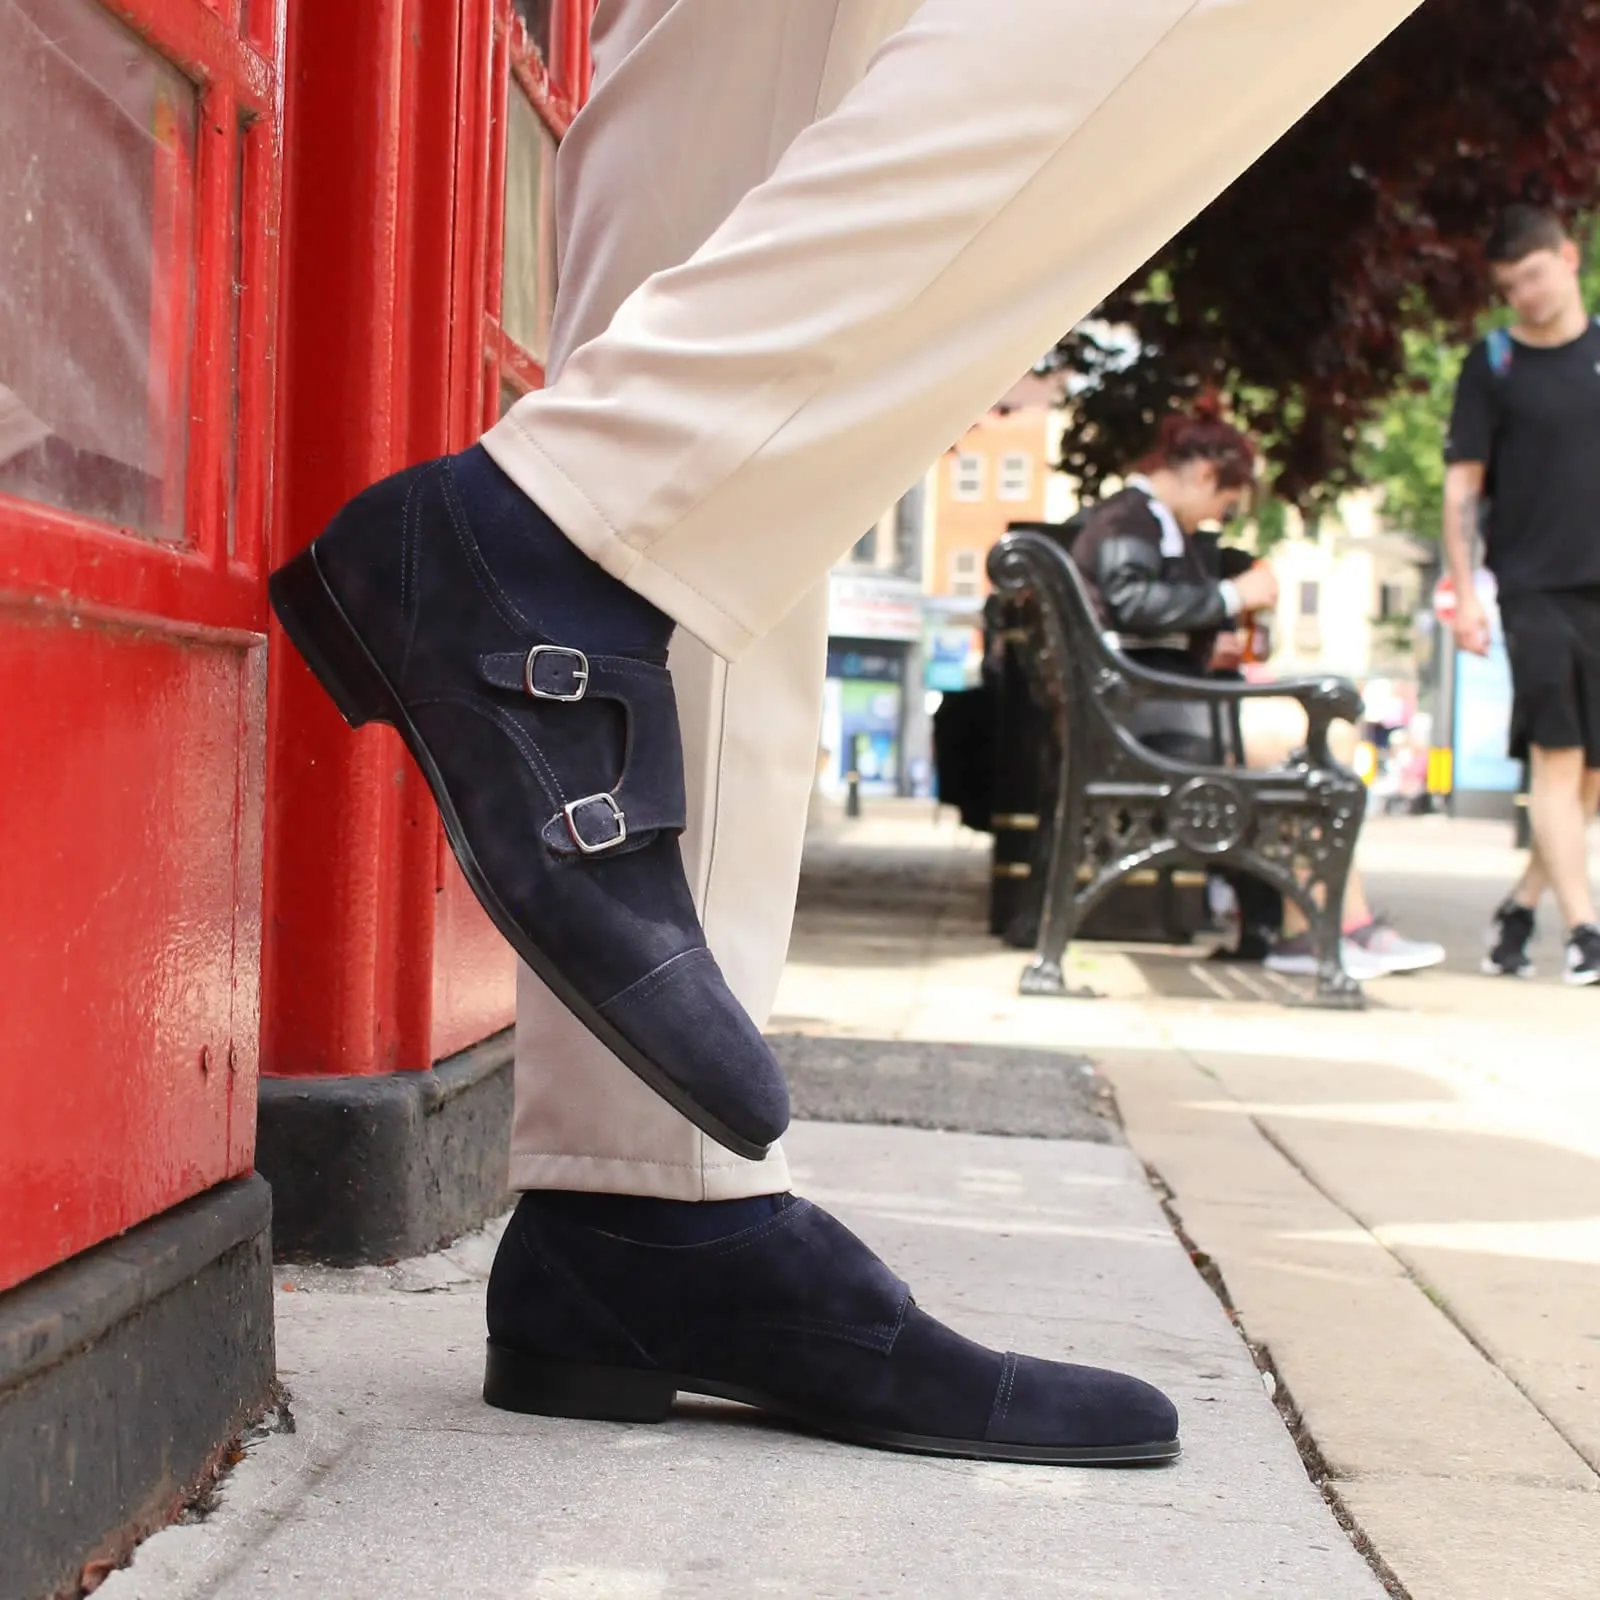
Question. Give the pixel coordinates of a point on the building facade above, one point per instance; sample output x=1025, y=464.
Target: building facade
x=872, y=724
x=999, y=472
x=1352, y=591
x=905, y=605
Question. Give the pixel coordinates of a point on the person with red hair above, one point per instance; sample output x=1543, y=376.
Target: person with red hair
x=1157, y=598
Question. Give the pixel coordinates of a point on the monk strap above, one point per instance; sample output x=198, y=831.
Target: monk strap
x=597, y=823
x=556, y=672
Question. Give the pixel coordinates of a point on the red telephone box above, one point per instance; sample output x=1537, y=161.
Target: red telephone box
x=254, y=254
x=138, y=291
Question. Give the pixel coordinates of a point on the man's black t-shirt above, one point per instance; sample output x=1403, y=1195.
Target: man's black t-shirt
x=1537, y=429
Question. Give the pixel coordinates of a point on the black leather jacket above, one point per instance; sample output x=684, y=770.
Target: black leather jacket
x=1138, y=591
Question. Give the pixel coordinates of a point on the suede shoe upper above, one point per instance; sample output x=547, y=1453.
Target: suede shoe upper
x=558, y=769
x=799, y=1313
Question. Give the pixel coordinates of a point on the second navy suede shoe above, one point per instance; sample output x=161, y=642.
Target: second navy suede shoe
x=533, y=691
x=796, y=1316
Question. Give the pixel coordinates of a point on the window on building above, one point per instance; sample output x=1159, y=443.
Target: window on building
x=1392, y=602
x=1016, y=476
x=964, y=573
x=864, y=552
x=1310, y=599
x=967, y=475
x=909, y=515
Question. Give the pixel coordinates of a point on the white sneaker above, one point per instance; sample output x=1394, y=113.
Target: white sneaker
x=1394, y=952
x=1297, y=958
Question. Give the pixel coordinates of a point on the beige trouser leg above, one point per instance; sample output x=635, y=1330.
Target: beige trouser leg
x=894, y=265
x=630, y=205
x=1000, y=166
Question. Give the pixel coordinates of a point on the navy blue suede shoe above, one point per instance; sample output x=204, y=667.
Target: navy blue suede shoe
x=533, y=691
x=796, y=1316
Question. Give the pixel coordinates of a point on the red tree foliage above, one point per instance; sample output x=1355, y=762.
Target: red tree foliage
x=1290, y=293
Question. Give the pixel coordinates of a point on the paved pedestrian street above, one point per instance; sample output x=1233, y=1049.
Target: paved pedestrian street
x=1401, y=1206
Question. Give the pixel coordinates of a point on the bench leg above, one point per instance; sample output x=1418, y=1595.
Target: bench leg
x=1336, y=989
x=1058, y=914
x=1041, y=977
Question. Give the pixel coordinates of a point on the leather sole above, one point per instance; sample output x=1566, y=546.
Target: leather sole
x=517, y=1381
x=318, y=628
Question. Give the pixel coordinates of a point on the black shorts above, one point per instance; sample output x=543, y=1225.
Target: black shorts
x=1553, y=642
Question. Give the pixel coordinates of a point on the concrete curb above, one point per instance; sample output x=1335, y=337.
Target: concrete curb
x=122, y=1373
x=372, y=1169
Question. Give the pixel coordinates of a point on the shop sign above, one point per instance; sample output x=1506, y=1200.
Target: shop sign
x=871, y=607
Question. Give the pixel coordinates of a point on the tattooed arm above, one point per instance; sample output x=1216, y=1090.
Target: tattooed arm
x=1463, y=497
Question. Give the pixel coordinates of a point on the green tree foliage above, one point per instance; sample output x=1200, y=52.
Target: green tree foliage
x=1403, y=452
x=1311, y=291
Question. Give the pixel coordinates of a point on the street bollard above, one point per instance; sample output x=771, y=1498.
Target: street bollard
x=852, y=779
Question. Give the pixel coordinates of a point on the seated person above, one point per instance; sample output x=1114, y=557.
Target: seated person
x=1162, y=608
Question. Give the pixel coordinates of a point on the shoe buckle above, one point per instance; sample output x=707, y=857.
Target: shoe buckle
x=570, y=812
x=577, y=684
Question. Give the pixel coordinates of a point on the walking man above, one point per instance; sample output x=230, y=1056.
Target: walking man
x=802, y=245
x=1525, y=444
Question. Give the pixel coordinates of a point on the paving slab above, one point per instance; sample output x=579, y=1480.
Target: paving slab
x=397, y=1482
x=1468, y=1540
x=1469, y=1192
x=1466, y=1487
x=961, y=1088
x=1404, y=1202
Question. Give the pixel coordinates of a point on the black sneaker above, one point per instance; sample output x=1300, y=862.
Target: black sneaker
x=1509, y=936
x=1583, y=955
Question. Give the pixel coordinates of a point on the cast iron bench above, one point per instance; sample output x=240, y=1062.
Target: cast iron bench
x=1120, y=807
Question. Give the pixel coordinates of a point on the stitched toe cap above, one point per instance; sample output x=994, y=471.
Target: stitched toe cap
x=1055, y=1403
x=684, y=1016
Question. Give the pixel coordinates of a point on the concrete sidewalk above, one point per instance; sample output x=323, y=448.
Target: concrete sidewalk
x=1404, y=1203
x=398, y=1483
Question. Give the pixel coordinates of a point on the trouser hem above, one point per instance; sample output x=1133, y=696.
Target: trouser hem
x=661, y=1180
x=564, y=502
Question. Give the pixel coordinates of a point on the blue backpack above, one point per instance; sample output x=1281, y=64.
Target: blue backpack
x=1502, y=349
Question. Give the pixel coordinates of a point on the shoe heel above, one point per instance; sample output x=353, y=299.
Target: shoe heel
x=516, y=1381
x=319, y=630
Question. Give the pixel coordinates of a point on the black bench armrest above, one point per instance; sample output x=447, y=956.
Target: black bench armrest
x=1120, y=806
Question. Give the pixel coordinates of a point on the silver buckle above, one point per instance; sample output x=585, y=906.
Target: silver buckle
x=584, y=847
x=580, y=673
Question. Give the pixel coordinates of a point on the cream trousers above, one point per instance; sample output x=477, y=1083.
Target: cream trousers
x=802, y=245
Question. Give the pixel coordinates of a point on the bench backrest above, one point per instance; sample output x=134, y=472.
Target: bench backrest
x=1076, y=663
